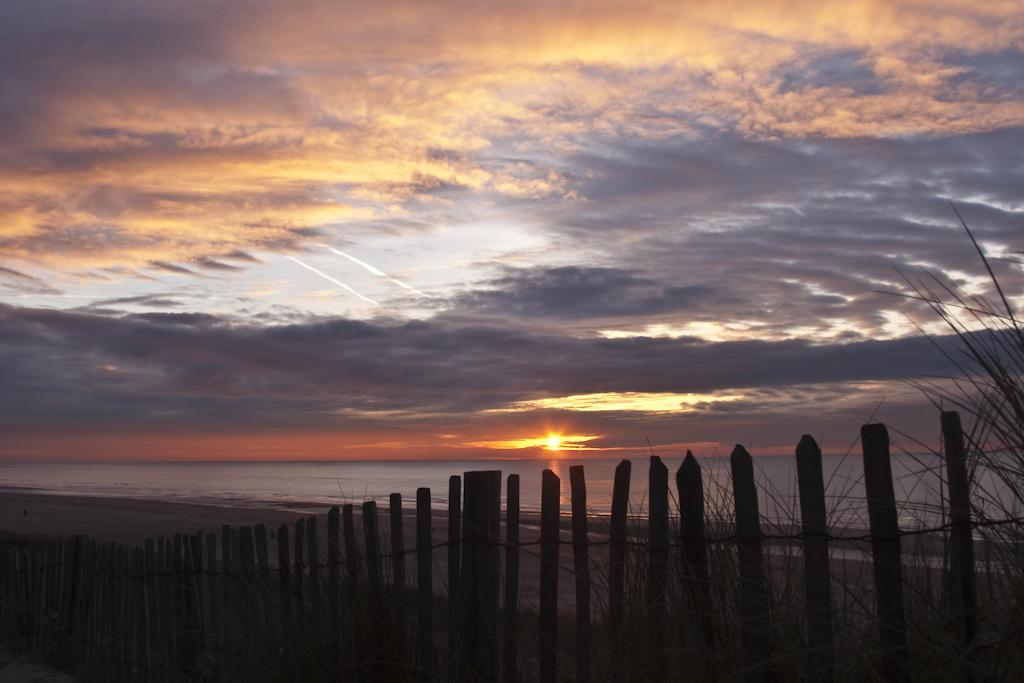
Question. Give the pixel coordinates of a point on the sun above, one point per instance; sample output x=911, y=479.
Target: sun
x=554, y=442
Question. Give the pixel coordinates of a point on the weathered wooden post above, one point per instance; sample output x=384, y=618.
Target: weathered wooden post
x=424, y=588
x=299, y=574
x=313, y=559
x=183, y=631
x=756, y=626
x=248, y=608
x=454, y=557
x=480, y=574
x=657, y=565
x=373, y=568
x=351, y=555
x=196, y=575
x=172, y=623
x=397, y=561
x=817, y=577
x=549, y=550
x=150, y=570
x=74, y=587
x=962, y=578
x=510, y=649
x=581, y=564
x=885, y=545
x=228, y=592
x=247, y=560
x=213, y=606
x=355, y=606
x=617, y=548
x=283, y=569
x=334, y=577
x=262, y=556
x=138, y=619
x=694, y=549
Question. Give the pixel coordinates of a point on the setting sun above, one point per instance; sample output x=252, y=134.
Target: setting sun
x=550, y=442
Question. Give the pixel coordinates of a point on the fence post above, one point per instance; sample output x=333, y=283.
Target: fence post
x=549, y=551
x=372, y=551
x=262, y=558
x=137, y=626
x=299, y=574
x=76, y=570
x=481, y=530
x=617, y=549
x=424, y=588
x=261, y=586
x=283, y=573
x=817, y=582
x=247, y=559
x=149, y=572
x=581, y=564
x=183, y=632
x=885, y=545
x=194, y=548
x=313, y=560
x=213, y=609
x=247, y=594
x=694, y=549
x=964, y=590
x=755, y=624
x=334, y=577
x=454, y=557
x=510, y=650
x=172, y=622
x=89, y=598
x=351, y=573
x=228, y=596
x=397, y=561
x=657, y=565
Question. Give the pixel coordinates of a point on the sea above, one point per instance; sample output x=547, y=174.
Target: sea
x=310, y=486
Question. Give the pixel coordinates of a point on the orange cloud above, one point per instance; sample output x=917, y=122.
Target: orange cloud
x=309, y=115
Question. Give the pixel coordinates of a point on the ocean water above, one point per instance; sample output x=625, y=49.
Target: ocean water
x=314, y=485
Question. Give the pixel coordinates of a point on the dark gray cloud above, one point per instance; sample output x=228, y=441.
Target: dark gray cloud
x=213, y=264
x=148, y=300
x=76, y=366
x=579, y=292
x=239, y=255
x=795, y=234
x=171, y=268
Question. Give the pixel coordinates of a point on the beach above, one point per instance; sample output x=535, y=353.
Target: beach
x=122, y=520
x=132, y=521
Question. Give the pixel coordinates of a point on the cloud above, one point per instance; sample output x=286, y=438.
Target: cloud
x=147, y=300
x=174, y=134
x=171, y=268
x=601, y=198
x=577, y=292
x=204, y=368
x=797, y=238
x=17, y=282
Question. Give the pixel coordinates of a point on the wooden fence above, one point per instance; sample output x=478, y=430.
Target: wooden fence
x=329, y=604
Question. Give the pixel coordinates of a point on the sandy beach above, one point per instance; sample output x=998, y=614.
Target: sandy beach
x=132, y=521
x=123, y=520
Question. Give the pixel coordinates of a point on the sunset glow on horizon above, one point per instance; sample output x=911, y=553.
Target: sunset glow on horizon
x=549, y=442
x=320, y=230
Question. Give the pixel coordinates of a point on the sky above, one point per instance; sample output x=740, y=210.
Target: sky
x=452, y=230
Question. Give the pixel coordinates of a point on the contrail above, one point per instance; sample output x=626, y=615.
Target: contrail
x=331, y=279
x=375, y=271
